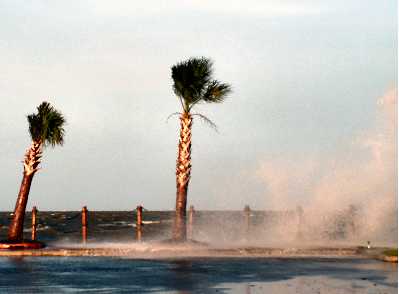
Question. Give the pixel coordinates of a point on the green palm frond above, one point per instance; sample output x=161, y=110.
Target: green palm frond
x=216, y=92
x=193, y=83
x=47, y=125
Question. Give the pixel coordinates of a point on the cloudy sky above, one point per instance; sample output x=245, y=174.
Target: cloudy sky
x=307, y=77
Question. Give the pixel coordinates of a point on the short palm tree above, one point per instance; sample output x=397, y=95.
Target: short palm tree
x=46, y=128
x=193, y=84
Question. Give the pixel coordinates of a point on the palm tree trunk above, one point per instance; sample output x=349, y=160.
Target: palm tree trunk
x=31, y=162
x=183, y=170
x=15, y=231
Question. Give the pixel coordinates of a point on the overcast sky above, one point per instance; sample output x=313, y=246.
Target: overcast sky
x=306, y=76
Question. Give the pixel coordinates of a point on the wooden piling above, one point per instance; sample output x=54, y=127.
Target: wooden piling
x=34, y=222
x=139, y=222
x=190, y=231
x=247, y=215
x=84, y=224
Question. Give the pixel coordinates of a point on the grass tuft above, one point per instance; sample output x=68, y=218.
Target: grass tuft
x=391, y=252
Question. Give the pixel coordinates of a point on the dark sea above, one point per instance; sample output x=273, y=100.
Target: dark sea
x=120, y=226
x=116, y=226
x=184, y=274
x=218, y=226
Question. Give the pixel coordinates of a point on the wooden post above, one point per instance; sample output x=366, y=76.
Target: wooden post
x=34, y=222
x=84, y=224
x=247, y=214
x=139, y=222
x=190, y=231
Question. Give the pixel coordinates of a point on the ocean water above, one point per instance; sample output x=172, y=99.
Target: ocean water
x=118, y=226
x=195, y=275
x=186, y=275
x=224, y=227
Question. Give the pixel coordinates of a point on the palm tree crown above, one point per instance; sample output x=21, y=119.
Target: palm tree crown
x=193, y=83
x=46, y=126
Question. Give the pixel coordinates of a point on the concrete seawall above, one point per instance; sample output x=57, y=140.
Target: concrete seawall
x=168, y=251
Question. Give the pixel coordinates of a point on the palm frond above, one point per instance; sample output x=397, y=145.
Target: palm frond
x=190, y=78
x=172, y=114
x=35, y=127
x=207, y=121
x=216, y=92
x=47, y=125
x=193, y=83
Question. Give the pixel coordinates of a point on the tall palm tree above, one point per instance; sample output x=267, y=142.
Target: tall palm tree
x=193, y=84
x=46, y=128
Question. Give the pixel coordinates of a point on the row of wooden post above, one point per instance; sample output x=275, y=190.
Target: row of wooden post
x=84, y=223
x=139, y=222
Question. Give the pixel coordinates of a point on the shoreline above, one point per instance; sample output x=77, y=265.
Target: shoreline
x=157, y=251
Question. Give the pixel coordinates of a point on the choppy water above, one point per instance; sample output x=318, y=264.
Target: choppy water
x=209, y=226
x=184, y=275
x=102, y=225
x=120, y=225
x=210, y=275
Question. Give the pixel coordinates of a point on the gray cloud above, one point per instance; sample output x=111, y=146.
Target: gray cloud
x=304, y=84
